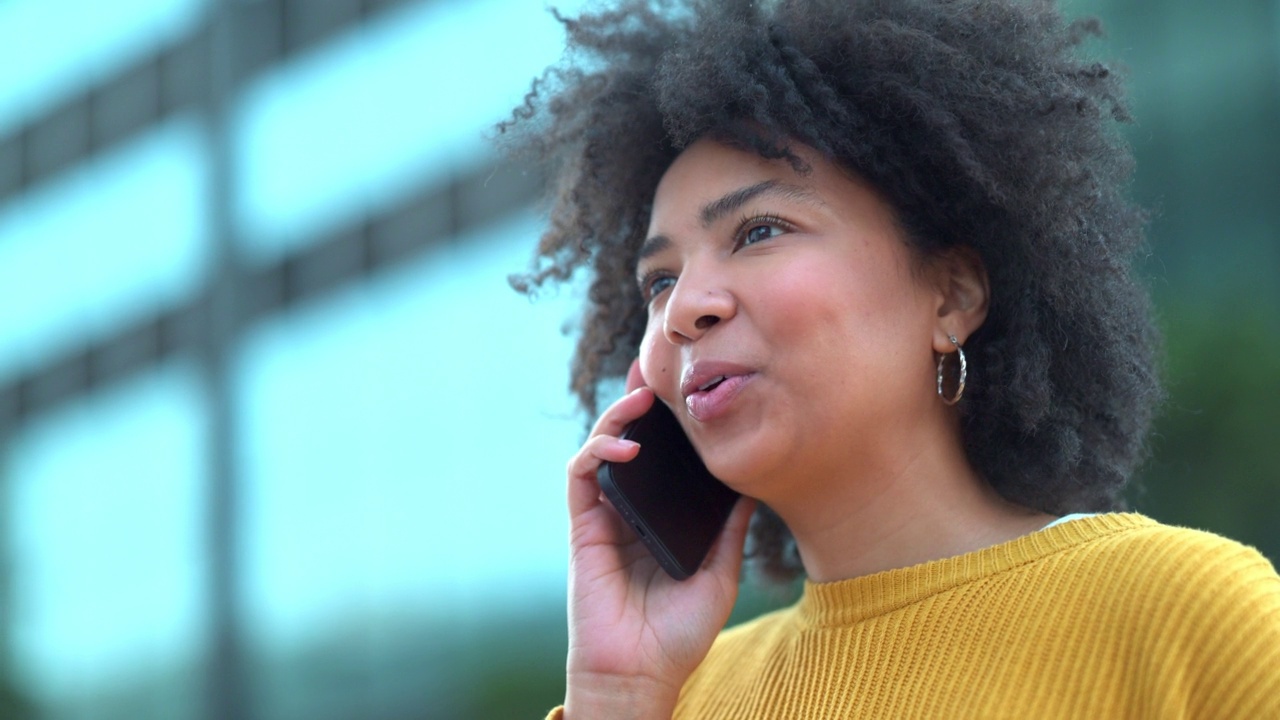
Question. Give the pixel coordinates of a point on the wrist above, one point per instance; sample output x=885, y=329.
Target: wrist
x=593, y=697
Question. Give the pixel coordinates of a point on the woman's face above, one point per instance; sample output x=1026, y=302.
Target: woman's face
x=789, y=328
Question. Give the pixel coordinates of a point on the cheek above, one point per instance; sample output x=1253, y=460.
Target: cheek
x=845, y=319
x=868, y=290
x=656, y=357
x=807, y=299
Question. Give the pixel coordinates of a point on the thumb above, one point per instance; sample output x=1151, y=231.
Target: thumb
x=726, y=554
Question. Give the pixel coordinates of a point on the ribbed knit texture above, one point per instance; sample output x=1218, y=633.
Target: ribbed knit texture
x=1114, y=616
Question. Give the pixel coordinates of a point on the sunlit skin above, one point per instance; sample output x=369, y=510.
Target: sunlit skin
x=800, y=288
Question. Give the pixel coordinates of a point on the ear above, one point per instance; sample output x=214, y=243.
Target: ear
x=963, y=293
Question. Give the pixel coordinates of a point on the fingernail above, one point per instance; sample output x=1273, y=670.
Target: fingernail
x=627, y=444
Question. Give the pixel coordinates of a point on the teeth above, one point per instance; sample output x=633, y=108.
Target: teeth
x=712, y=382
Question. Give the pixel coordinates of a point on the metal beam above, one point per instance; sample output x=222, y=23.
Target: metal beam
x=227, y=694
x=342, y=256
x=173, y=79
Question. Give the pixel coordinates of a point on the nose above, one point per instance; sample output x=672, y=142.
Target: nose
x=699, y=301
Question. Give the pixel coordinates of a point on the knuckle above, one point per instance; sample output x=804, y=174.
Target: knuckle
x=582, y=461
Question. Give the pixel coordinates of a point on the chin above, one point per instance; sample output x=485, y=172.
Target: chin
x=738, y=470
x=733, y=453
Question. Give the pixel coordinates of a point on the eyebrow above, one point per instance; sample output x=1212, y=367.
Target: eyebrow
x=652, y=246
x=726, y=204
x=717, y=209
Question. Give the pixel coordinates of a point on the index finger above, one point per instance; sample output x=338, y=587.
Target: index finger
x=618, y=415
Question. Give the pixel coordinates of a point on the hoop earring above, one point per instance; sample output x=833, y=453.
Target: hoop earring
x=964, y=372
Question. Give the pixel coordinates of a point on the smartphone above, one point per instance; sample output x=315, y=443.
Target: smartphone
x=666, y=493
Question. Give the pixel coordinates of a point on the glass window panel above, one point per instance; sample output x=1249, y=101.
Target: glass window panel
x=102, y=245
x=50, y=49
x=402, y=100
x=404, y=447
x=106, y=539
x=406, y=442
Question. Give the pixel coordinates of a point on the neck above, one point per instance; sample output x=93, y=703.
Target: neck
x=881, y=518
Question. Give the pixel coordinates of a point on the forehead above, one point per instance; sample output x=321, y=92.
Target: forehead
x=710, y=176
x=706, y=170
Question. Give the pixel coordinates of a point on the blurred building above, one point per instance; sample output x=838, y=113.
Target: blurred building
x=276, y=439
x=270, y=417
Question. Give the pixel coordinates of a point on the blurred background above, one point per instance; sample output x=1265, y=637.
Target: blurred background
x=277, y=440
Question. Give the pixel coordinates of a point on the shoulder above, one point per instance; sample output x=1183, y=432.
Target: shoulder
x=1162, y=571
x=753, y=631
x=1201, y=607
x=1143, y=551
x=747, y=645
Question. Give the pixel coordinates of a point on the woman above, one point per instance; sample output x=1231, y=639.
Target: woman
x=875, y=257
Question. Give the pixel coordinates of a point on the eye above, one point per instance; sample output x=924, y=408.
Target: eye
x=654, y=283
x=758, y=229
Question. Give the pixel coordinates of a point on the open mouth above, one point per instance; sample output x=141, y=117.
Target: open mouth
x=709, y=386
x=712, y=383
x=714, y=397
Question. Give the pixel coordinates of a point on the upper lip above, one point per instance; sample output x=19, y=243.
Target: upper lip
x=704, y=371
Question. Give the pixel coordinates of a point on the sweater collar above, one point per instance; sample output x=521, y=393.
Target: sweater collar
x=843, y=602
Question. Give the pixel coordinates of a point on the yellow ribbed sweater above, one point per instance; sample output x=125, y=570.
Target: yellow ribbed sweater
x=1113, y=616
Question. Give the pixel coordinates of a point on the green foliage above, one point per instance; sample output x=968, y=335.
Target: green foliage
x=13, y=705
x=759, y=596
x=517, y=668
x=1208, y=165
x=1216, y=462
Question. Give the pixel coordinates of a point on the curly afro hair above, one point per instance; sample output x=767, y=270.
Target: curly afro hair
x=980, y=123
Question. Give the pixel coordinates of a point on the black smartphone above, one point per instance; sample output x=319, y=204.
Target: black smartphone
x=666, y=493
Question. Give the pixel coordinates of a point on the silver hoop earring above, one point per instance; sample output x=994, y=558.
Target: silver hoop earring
x=964, y=372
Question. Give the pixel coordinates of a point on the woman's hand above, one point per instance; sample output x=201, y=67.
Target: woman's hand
x=635, y=634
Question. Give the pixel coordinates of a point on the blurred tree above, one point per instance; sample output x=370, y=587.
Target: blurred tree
x=13, y=705
x=1216, y=462
x=517, y=668
x=1206, y=95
